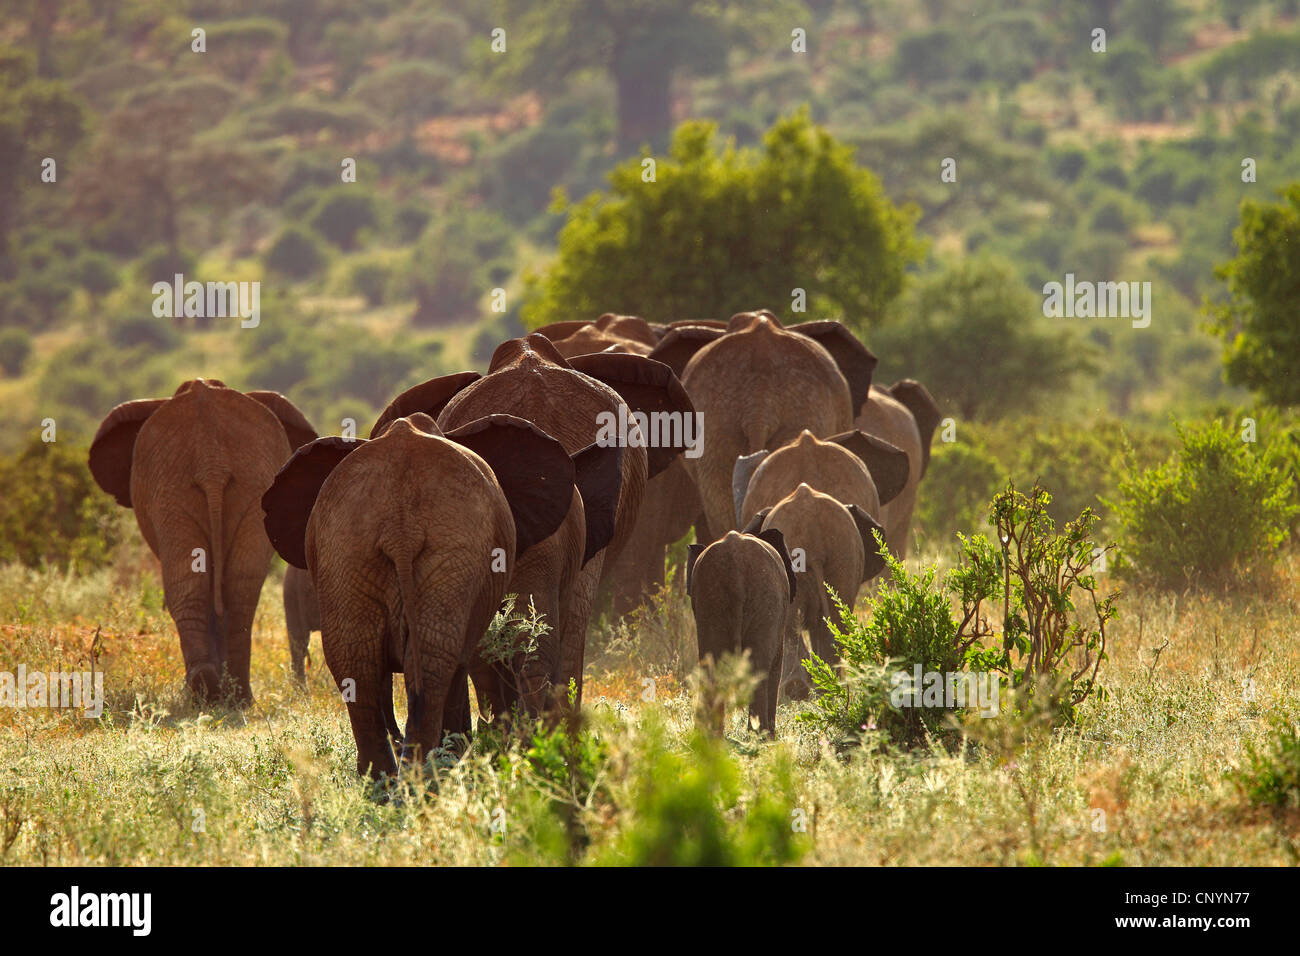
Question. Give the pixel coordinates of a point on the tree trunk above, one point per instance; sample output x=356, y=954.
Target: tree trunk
x=644, y=102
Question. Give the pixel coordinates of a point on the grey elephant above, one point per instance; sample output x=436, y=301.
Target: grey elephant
x=741, y=589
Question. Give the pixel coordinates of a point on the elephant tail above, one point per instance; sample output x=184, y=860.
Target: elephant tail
x=411, y=653
x=214, y=494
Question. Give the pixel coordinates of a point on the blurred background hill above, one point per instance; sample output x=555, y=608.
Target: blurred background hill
x=226, y=165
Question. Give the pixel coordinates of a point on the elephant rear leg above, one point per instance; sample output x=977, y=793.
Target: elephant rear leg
x=296, y=625
x=369, y=716
x=763, y=708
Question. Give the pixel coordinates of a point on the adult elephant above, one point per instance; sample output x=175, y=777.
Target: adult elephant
x=574, y=400
x=404, y=535
x=905, y=415
x=757, y=385
x=193, y=468
x=629, y=333
x=853, y=468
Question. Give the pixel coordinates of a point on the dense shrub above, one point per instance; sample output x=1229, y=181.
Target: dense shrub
x=296, y=253
x=342, y=212
x=1210, y=513
x=1271, y=774
x=51, y=511
x=15, y=348
x=686, y=811
x=1049, y=649
x=960, y=480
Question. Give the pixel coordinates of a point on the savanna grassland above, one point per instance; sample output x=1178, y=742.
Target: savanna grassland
x=1191, y=681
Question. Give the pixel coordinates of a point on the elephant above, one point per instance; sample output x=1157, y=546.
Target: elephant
x=574, y=400
x=830, y=543
x=741, y=589
x=193, y=467
x=631, y=333
x=757, y=385
x=904, y=415
x=411, y=537
x=669, y=509
x=853, y=468
x=301, y=617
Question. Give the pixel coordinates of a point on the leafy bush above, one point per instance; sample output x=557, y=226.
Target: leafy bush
x=1209, y=512
x=52, y=512
x=686, y=811
x=296, y=253
x=909, y=624
x=342, y=212
x=960, y=480
x=15, y=349
x=371, y=278
x=1271, y=775
x=138, y=328
x=1048, y=651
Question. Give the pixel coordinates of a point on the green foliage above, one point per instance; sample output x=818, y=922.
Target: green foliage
x=459, y=259
x=960, y=480
x=296, y=253
x=371, y=278
x=1059, y=647
x=52, y=512
x=722, y=229
x=909, y=623
x=1271, y=775
x=15, y=348
x=978, y=339
x=342, y=212
x=686, y=811
x=1258, y=319
x=1211, y=513
x=1048, y=650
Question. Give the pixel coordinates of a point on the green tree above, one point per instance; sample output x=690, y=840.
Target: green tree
x=1258, y=319
x=978, y=339
x=722, y=229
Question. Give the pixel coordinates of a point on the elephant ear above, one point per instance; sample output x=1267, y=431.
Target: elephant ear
x=756, y=523
x=289, y=501
x=114, y=444
x=532, y=468
x=874, y=561
x=648, y=386
x=561, y=330
x=918, y=400
x=295, y=423
x=887, y=463
x=429, y=397
x=776, y=539
x=678, y=347
x=741, y=472
x=856, y=362
x=598, y=473
x=693, y=552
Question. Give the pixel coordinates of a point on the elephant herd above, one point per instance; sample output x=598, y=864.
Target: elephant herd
x=402, y=546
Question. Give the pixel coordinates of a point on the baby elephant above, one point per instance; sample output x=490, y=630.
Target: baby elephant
x=741, y=589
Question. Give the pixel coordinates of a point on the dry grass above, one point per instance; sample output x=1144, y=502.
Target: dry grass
x=157, y=781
